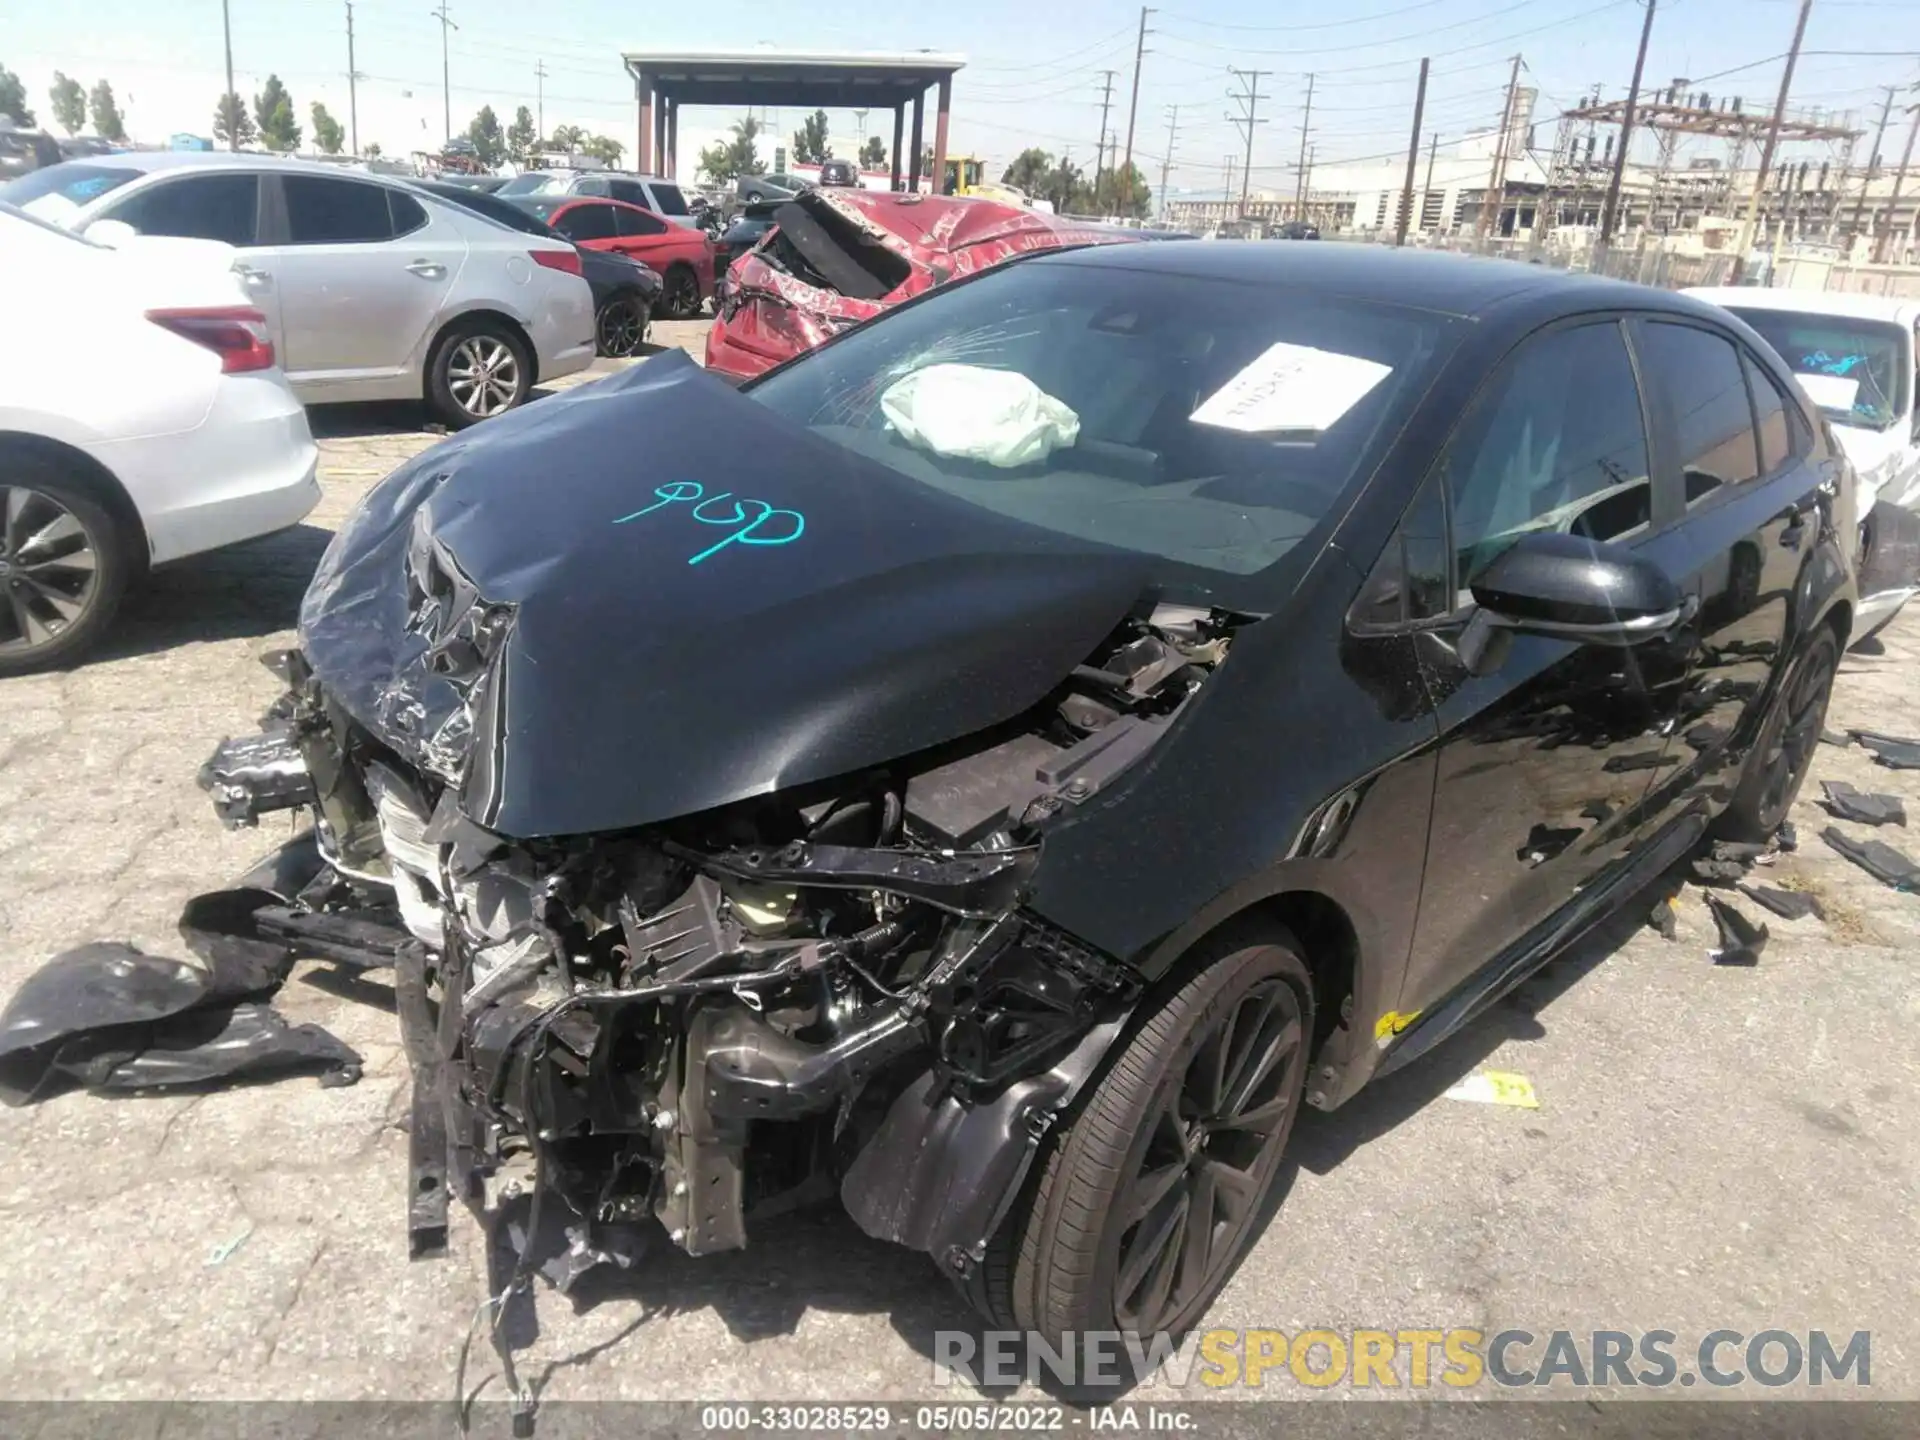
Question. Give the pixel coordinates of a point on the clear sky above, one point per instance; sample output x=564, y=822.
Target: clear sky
x=1033, y=75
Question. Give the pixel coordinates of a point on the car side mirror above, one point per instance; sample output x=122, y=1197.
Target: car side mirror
x=111, y=233
x=1587, y=591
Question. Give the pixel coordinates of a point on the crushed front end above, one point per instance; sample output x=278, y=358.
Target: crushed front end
x=698, y=1019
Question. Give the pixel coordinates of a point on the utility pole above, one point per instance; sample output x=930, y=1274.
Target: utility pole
x=1497, y=171
x=1873, y=158
x=353, y=88
x=1248, y=99
x=1133, y=105
x=1772, y=143
x=226, y=27
x=1884, y=240
x=446, y=88
x=1100, y=150
x=1166, y=161
x=1610, y=212
x=1226, y=195
x=1413, y=158
x=540, y=101
x=1433, y=145
x=1300, y=176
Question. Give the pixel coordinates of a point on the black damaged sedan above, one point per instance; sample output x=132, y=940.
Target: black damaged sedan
x=999, y=766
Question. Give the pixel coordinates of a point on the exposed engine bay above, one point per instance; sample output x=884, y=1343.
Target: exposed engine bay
x=708, y=1018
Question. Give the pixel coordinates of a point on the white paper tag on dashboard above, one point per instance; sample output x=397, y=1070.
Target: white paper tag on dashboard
x=1291, y=387
x=1830, y=392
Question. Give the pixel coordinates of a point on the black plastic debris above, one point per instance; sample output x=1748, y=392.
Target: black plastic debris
x=1719, y=872
x=1741, y=941
x=1877, y=858
x=1786, y=839
x=1644, y=760
x=1598, y=811
x=1896, y=752
x=1787, y=904
x=1663, y=920
x=111, y=1017
x=1844, y=802
x=1744, y=852
x=1836, y=737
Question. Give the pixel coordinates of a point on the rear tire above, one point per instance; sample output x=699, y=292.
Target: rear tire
x=479, y=368
x=620, y=329
x=680, y=297
x=1783, y=754
x=65, y=563
x=1194, y=1111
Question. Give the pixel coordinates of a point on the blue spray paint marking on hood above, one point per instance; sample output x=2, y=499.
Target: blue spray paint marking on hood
x=482, y=613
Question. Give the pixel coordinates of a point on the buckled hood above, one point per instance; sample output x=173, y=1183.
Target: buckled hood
x=652, y=596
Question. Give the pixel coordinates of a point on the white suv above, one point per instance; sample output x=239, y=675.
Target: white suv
x=372, y=290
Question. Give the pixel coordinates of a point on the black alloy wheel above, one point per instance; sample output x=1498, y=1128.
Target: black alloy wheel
x=681, y=298
x=1784, y=752
x=620, y=329
x=63, y=566
x=1143, y=1202
x=1198, y=1182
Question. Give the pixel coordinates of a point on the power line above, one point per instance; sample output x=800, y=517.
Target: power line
x=1376, y=44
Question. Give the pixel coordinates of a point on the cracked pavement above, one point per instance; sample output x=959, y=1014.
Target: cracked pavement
x=1714, y=1148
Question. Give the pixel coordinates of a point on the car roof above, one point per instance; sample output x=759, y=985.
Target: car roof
x=1811, y=302
x=568, y=202
x=1419, y=279
x=147, y=161
x=610, y=174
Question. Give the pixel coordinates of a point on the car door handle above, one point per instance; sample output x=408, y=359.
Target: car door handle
x=428, y=269
x=254, y=279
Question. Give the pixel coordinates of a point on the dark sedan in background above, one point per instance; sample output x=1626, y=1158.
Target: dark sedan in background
x=1000, y=766
x=625, y=291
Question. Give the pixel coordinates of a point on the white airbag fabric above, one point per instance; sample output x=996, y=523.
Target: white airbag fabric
x=968, y=412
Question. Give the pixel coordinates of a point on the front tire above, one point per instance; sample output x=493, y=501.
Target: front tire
x=480, y=368
x=1783, y=753
x=65, y=563
x=1146, y=1201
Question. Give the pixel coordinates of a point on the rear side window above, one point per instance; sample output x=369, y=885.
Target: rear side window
x=592, y=185
x=407, y=214
x=586, y=222
x=638, y=222
x=325, y=211
x=667, y=199
x=631, y=191
x=1699, y=374
x=1555, y=442
x=195, y=207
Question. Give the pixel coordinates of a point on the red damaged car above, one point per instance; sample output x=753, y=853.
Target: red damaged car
x=683, y=256
x=837, y=257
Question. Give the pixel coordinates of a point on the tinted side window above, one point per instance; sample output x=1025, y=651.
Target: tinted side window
x=407, y=214
x=631, y=191
x=593, y=185
x=1780, y=439
x=1699, y=374
x=586, y=222
x=325, y=211
x=637, y=222
x=1555, y=442
x=195, y=207
x=1410, y=580
x=667, y=199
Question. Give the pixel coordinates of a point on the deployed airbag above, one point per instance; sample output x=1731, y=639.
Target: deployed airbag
x=968, y=412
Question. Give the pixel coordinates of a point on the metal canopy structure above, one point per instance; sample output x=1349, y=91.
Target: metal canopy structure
x=664, y=81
